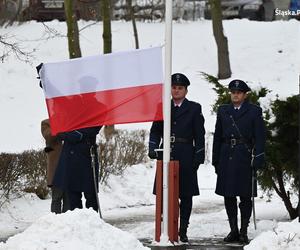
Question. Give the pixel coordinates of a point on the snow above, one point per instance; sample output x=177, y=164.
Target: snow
x=285, y=236
x=262, y=53
x=79, y=229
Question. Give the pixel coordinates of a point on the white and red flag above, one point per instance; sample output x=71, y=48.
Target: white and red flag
x=116, y=88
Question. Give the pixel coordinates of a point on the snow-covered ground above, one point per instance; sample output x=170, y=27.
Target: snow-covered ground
x=262, y=53
x=128, y=203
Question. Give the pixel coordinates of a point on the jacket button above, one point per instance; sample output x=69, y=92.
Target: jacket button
x=174, y=123
x=232, y=124
x=71, y=152
x=231, y=135
x=230, y=158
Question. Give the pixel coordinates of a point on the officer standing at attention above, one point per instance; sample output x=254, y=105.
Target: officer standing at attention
x=239, y=138
x=187, y=145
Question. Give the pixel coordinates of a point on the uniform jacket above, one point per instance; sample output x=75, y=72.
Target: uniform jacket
x=74, y=170
x=54, y=145
x=233, y=162
x=188, y=123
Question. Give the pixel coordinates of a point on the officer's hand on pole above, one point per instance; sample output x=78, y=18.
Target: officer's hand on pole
x=152, y=154
x=216, y=169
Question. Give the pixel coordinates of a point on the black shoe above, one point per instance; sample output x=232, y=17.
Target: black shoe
x=244, y=239
x=232, y=237
x=184, y=239
x=182, y=235
x=243, y=232
x=234, y=233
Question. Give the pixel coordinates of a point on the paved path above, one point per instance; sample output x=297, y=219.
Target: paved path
x=199, y=244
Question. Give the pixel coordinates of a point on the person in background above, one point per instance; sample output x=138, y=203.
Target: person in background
x=59, y=202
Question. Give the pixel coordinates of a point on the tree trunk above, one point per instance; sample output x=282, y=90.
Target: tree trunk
x=73, y=33
x=106, y=18
x=132, y=17
x=283, y=195
x=106, y=26
x=224, y=70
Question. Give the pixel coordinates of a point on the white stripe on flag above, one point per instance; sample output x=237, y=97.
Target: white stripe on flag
x=104, y=72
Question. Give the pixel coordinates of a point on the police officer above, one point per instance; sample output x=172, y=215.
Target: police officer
x=187, y=145
x=74, y=172
x=239, y=138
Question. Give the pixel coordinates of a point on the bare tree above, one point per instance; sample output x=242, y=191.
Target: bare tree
x=224, y=70
x=73, y=33
x=107, y=44
x=10, y=11
x=132, y=17
x=10, y=46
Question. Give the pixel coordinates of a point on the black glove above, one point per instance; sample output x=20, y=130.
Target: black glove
x=216, y=169
x=152, y=155
x=38, y=68
x=48, y=149
x=258, y=161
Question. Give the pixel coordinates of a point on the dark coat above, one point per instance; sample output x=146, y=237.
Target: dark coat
x=52, y=149
x=233, y=163
x=187, y=123
x=74, y=170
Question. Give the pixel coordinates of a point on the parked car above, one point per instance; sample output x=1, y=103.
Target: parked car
x=261, y=10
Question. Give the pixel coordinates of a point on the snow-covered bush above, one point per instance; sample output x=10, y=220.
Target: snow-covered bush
x=23, y=172
x=126, y=148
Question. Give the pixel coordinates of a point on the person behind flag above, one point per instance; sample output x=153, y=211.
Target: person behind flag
x=59, y=200
x=187, y=145
x=74, y=172
x=239, y=128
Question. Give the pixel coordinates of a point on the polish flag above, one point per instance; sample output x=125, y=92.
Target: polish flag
x=116, y=88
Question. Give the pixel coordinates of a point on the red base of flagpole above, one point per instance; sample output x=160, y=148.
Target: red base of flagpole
x=173, y=192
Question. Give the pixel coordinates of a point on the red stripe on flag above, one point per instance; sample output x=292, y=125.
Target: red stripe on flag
x=127, y=105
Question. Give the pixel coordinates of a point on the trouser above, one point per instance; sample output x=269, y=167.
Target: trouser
x=75, y=200
x=245, y=207
x=185, y=206
x=59, y=202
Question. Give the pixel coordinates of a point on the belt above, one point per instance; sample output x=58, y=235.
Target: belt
x=234, y=141
x=174, y=139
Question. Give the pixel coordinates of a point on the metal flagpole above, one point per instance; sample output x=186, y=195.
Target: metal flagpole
x=167, y=116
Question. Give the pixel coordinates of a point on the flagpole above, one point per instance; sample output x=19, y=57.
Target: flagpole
x=167, y=116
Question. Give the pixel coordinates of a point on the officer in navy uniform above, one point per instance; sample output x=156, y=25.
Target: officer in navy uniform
x=239, y=138
x=74, y=172
x=187, y=145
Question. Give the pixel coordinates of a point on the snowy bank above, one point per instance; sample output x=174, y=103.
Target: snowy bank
x=78, y=229
x=285, y=236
